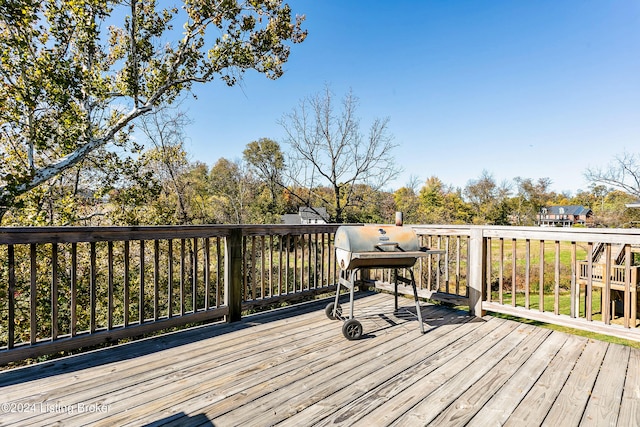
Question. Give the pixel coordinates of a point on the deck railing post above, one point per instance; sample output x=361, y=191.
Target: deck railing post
x=477, y=258
x=233, y=275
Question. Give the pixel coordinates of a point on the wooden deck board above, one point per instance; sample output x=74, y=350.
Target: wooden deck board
x=630, y=406
x=540, y=398
x=570, y=403
x=293, y=367
x=470, y=400
x=604, y=404
x=503, y=402
x=448, y=362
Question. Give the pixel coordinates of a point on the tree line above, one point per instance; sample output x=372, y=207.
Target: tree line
x=159, y=184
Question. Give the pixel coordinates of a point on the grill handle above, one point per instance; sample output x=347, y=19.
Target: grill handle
x=393, y=244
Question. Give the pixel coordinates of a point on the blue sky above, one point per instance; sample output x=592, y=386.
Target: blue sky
x=517, y=88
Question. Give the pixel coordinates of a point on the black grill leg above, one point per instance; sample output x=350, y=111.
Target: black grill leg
x=335, y=305
x=395, y=283
x=415, y=296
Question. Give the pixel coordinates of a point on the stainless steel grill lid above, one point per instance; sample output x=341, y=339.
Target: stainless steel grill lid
x=379, y=246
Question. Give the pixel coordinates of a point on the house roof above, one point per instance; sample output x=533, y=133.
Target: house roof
x=568, y=210
x=307, y=213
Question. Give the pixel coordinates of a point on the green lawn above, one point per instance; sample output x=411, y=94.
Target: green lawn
x=534, y=252
x=549, y=300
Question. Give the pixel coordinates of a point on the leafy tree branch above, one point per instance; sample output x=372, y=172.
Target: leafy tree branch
x=77, y=75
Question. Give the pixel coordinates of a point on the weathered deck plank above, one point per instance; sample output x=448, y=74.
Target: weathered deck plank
x=538, y=401
x=470, y=400
x=446, y=363
x=293, y=367
x=604, y=404
x=630, y=406
x=503, y=401
x=570, y=403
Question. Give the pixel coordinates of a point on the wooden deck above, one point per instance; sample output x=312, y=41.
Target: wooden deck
x=293, y=367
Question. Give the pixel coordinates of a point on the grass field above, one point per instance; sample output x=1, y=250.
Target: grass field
x=564, y=302
x=534, y=251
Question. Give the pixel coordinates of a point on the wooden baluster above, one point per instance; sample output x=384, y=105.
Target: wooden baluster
x=588, y=304
x=575, y=289
x=194, y=276
x=556, y=295
x=541, y=281
x=11, y=327
x=513, y=272
x=33, y=295
x=501, y=273
x=127, y=262
x=182, y=277
x=527, y=272
x=156, y=279
x=92, y=287
x=627, y=300
x=141, y=304
x=110, y=285
x=207, y=273
x=605, y=306
x=170, y=279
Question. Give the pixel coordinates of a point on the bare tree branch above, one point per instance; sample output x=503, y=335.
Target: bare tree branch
x=623, y=173
x=326, y=142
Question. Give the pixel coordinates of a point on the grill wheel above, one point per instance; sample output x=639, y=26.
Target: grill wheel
x=352, y=329
x=329, y=311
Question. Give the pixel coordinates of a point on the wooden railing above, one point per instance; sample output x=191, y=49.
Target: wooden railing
x=535, y=273
x=499, y=269
x=71, y=287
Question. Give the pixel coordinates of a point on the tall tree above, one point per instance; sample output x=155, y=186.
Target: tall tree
x=489, y=200
x=233, y=192
x=76, y=75
x=531, y=197
x=167, y=158
x=329, y=148
x=439, y=204
x=266, y=159
x=406, y=201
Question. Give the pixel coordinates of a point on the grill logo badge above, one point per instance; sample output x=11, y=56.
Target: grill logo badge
x=382, y=238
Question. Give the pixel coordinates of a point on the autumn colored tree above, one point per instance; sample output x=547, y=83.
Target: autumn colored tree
x=77, y=75
x=266, y=160
x=233, y=192
x=440, y=204
x=406, y=201
x=530, y=198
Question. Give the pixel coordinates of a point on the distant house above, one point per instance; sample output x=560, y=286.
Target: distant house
x=307, y=215
x=564, y=216
x=635, y=204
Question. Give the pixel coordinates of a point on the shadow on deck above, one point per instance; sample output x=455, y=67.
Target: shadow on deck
x=294, y=367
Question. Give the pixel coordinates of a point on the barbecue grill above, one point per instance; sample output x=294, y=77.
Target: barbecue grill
x=380, y=246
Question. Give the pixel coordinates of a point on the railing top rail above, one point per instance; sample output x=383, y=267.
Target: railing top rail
x=444, y=230
x=26, y=235
x=605, y=235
